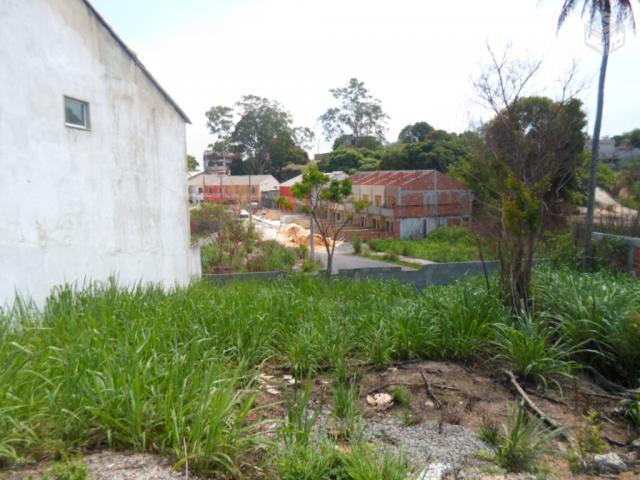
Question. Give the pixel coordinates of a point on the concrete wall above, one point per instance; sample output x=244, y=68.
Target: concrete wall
x=79, y=205
x=633, y=262
x=428, y=276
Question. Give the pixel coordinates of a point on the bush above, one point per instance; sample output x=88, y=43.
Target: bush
x=445, y=244
x=565, y=250
x=357, y=245
x=272, y=256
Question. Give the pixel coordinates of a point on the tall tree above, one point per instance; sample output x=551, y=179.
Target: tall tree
x=359, y=113
x=604, y=11
x=415, y=133
x=523, y=159
x=263, y=136
x=192, y=163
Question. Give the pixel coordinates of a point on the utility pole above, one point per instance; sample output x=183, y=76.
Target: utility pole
x=250, y=204
x=312, y=238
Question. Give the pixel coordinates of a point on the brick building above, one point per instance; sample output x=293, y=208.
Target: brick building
x=230, y=189
x=408, y=203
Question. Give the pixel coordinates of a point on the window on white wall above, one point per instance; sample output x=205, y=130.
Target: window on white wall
x=76, y=113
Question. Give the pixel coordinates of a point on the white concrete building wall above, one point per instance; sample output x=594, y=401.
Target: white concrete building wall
x=80, y=205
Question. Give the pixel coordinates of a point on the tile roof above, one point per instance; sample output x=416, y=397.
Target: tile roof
x=397, y=178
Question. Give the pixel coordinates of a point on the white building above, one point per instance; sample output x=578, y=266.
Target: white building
x=92, y=155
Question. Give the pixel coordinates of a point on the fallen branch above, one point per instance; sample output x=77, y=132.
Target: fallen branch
x=532, y=406
x=601, y=395
x=436, y=402
x=610, y=386
x=545, y=397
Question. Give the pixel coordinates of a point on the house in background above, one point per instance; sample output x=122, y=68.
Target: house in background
x=408, y=203
x=92, y=154
x=214, y=162
x=286, y=187
x=236, y=190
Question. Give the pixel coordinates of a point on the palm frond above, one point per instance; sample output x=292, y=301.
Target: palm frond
x=622, y=9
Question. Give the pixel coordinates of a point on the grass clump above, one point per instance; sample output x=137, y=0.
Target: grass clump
x=535, y=351
x=401, y=396
x=445, y=244
x=68, y=469
x=522, y=442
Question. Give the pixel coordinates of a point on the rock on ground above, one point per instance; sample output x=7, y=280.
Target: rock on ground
x=608, y=463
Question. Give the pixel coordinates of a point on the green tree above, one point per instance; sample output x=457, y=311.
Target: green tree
x=628, y=139
x=523, y=160
x=602, y=11
x=359, y=113
x=192, y=163
x=437, y=154
x=416, y=132
x=330, y=205
x=263, y=136
x=350, y=141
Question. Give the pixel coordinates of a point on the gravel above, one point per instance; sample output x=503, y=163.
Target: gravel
x=114, y=466
x=423, y=444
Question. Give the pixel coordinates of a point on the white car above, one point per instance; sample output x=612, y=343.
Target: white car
x=243, y=214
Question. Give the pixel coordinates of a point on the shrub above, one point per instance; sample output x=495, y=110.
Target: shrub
x=357, y=245
x=302, y=252
x=272, y=256
x=445, y=244
x=309, y=266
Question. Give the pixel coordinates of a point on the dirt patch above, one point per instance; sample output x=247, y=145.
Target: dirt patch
x=468, y=395
x=114, y=466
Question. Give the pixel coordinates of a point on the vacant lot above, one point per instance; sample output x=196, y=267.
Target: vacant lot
x=452, y=244
x=269, y=380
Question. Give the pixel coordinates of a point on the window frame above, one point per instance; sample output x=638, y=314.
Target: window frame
x=87, y=113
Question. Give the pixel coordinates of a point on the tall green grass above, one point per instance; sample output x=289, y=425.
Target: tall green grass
x=445, y=244
x=173, y=372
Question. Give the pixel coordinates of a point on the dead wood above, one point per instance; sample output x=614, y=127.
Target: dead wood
x=532, y=406
x=436, y=402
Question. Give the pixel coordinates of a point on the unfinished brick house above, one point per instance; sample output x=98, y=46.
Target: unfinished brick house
x=408, y=203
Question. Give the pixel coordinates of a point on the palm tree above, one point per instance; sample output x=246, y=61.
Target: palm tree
x=602, y=9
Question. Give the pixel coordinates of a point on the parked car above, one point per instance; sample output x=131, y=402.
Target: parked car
x=243, y=214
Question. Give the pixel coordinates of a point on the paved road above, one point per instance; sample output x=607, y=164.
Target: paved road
x=343, y=259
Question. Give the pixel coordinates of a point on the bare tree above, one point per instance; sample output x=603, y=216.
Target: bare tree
x=330, y=205
x=524, y=158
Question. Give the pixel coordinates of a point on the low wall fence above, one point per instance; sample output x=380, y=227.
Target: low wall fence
x=427, y=276
x=633, y=259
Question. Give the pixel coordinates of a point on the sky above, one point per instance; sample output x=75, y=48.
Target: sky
x=418, y=57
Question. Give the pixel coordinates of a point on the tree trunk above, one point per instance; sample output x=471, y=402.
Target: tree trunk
x=329, y=264
x=595, y=146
